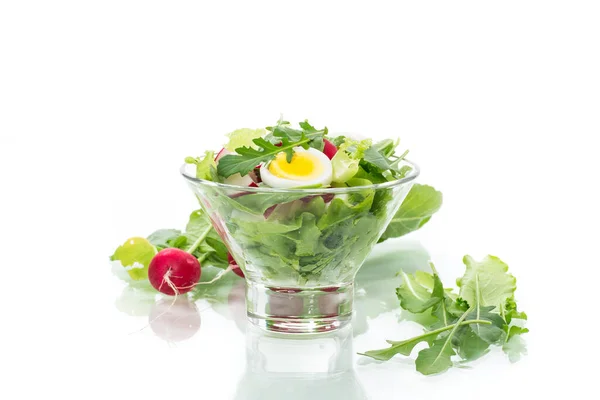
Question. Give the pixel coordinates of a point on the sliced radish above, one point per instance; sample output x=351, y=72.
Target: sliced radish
x=329, y=149
x=222, y=154
x=239, y=180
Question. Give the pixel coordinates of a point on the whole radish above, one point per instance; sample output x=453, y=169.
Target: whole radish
x=173, y=271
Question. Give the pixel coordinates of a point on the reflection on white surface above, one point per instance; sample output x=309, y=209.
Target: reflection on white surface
x=135, y=302
x=299, y=367
x=174, y=320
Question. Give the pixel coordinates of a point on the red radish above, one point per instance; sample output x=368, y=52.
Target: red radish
x=330, y=289
x=269, y=211
x=234, y=267
x=329, y=149
x=173, y=271
x=328, y=197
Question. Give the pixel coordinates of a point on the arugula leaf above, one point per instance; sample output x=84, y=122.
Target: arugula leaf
x=247, y=158
x=404, y=347
x=491, y=333
x=437, y=358
x=203, y=165
x=420, y=204
x=163, y=238
x=467, y=326
x=416, y=298
x=205, y=243
x=470, y=345
x=374, y=157
x=284, y=130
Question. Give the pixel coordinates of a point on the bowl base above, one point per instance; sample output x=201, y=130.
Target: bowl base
x=299, y=310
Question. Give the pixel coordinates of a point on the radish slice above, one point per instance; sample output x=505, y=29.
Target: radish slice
x=222, y=154
x=329, y=149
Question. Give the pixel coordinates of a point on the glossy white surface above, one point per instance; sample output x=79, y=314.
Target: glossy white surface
x=101, y=101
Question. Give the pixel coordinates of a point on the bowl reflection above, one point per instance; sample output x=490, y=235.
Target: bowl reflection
x=299, y=367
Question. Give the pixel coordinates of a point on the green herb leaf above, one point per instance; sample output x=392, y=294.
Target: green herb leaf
x=420, y=204
x=470, y=345
x=465, y=326
x=404, y=347
x=416, y=298
x=164, y=238
x=248, y=158
x=437, y=358
x=204, y=242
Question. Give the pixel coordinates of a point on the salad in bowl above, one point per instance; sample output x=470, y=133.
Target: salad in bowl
x=299, y=210
x=295, y=211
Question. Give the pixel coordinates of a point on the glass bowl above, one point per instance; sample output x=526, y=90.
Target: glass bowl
x=300, y=249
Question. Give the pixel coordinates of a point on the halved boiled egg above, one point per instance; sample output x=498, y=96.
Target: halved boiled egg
x=308, y=167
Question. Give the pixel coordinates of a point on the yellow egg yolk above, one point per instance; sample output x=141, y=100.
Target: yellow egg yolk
x=303, y=166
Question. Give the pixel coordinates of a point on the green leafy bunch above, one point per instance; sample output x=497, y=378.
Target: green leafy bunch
x=199, y=238
x=466, y=324
x=377, y=163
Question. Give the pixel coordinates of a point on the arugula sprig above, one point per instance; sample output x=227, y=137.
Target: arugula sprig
x=247, y=158
x=283, y=130
x=282, y=138
x=482, y=314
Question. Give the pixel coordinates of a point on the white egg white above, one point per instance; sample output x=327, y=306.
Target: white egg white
x=235, y=179
x=324, y=179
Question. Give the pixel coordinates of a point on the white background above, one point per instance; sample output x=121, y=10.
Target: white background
x=100, y=101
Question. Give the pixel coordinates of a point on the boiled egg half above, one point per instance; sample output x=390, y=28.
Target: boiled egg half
x=309, y=167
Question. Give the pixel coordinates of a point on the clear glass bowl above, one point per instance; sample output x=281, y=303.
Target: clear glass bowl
x=300, y=249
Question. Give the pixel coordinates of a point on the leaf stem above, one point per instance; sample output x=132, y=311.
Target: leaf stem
x=199, y=240
x=444, y=329
x=451, y=334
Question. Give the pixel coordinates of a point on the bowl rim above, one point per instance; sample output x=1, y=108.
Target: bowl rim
x=412, y=175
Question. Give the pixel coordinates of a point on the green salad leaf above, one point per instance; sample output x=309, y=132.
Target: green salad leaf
x=420, y=204
x=164, y=238
x=346, y=161
x=243, y=138
x=203, y=165
x=135, y=256
x=486, y=283
x=464, y=327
